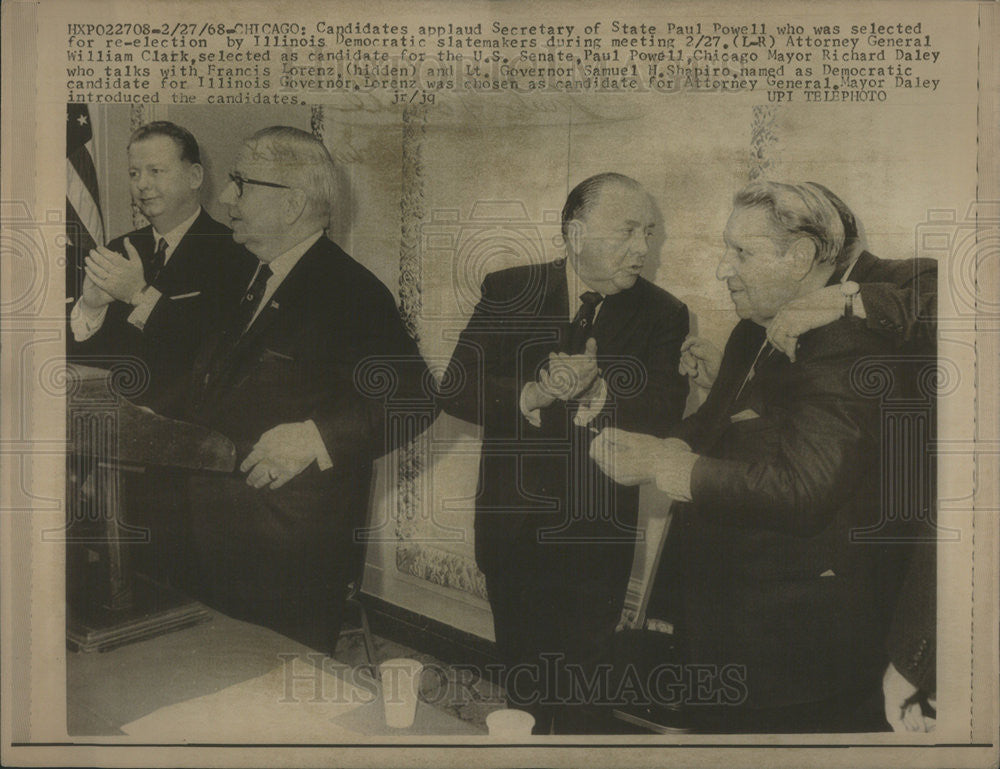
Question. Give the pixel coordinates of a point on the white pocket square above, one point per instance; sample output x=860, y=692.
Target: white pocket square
x=828, y=573
x=186, y=296
x=744, y=416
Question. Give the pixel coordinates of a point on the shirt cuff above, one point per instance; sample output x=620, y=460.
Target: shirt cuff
x=144, y=307
x=592, y=404
x=323, y=460
x=534, y=416
x=85, y=321
x=673, y=477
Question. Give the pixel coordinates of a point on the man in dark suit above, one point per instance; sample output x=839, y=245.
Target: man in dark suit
x=281, y=378
x=776, y=471
x=552, y=353
x=150, y=294
x=897, y=298
x=146, y=300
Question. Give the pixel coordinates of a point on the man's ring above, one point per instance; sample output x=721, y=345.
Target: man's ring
x=271, y=475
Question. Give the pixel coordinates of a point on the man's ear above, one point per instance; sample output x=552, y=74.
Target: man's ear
x=575, y=231
x=801, y=256
x=295, y=205
x=196, y=176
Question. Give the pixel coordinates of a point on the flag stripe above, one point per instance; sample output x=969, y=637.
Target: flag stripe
x=78, y=244
x=84, y=219
x=82, y=199
x=83, y=164
x=76, y=231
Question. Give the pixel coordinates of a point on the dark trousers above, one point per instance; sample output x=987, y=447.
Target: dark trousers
x=280, y=558
x=554, y=635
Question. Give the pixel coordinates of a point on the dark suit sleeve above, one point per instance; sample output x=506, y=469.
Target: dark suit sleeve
x=479, y=385
x=378, y=398
x=116, y=337
x=906, y=307
x=912, y=640
x=662, y=391
x=691, y=427
x=814, y=441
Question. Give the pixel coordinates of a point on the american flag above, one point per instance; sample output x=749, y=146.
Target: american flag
x=84, y=221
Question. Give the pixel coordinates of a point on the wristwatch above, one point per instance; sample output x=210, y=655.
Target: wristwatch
x=850, y=290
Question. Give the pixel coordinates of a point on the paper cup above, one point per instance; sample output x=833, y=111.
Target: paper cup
x=400, y=686
x=509, y=723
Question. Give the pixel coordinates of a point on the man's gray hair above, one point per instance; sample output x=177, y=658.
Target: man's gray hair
x=305, y=163
x=800, y=210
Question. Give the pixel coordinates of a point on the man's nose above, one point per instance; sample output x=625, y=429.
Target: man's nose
x=142, y=180
x=639, y=244
x=725, y=269
x=228, y=195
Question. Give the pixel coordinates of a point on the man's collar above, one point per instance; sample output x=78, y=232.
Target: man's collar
x=282, y=265
x=174, y=236
x=857, y=267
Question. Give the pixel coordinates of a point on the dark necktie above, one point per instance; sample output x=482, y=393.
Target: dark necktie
x=155, y=265
x=251, y=300
x=582, y=327
x=226, y=348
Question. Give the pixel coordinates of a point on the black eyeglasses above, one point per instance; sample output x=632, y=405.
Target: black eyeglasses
x=239, y=181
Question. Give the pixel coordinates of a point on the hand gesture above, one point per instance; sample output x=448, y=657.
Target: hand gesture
x=700, y=360
x=120, y=276
x=633, y=458
x=94, y=296
x=569, y=375
x=281, y=453
x=811, y=311
x=902, y=704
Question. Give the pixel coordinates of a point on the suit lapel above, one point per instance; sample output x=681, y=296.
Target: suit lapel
x=617, y=318
x=863, y=265
x=737, y=362
x=287, y=297
x=554, y=306
x=555, y=295
x=180, y=263
x=859, y=272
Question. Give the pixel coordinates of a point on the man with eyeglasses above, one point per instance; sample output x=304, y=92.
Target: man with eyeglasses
x=283, y=378
x=149, y=294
